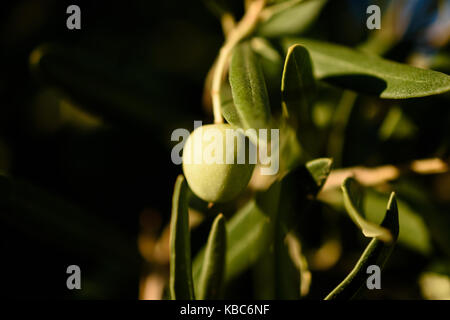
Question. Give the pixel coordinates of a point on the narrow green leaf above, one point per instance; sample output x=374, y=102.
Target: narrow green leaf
x=290, y=18
x=250, y=230
x=213, y=269
x=181, y=284
x=353, y=202
x=377, y=253
x=371, y=74
x=249, y=88
x=414, y=232
x=298, y=86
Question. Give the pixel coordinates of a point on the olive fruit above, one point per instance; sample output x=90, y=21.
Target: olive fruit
x=206, y=162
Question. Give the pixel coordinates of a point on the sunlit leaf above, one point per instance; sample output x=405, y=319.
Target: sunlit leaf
x=414, y=232
x=353, y=202
x=377, y=253
x=248, y=234
x=248, y=88
x=213, y=268
x=181, y=285
x=371, y=74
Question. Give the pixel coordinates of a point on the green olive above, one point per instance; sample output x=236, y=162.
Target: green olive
x=206, y=162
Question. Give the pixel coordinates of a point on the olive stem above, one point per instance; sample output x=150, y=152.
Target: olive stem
x=242, y=30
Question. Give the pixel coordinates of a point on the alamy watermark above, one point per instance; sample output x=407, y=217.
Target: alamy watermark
x=74, y=280
x=374, y=20
x=238, y=146
x=374, y=280
x=74, y=20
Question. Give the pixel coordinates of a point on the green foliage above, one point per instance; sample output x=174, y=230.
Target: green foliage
x=248, y=234
x=210, y=284
x=181, y=285
x=371, y=74
x=353, y=198
x=298, y=85
x=249, y=89
x=251, y=229
x=256, y=232
x=87, y=133
x=414, y=232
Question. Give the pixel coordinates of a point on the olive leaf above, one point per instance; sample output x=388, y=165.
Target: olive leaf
x=298, y=89
x=249, y=89
x=282, y=277
x=371, y=74
x=248, y=234
x=377, y=253
x=298, y=85
x=290, y=18
x=414, y=233
x=213, y=268
x=181, y=284
x=353, y=202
